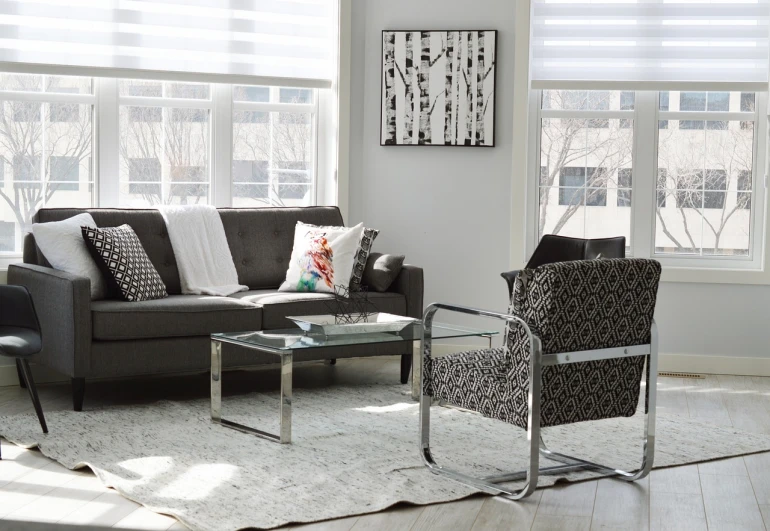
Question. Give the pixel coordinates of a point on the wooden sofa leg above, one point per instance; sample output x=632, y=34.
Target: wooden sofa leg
x=406, y=366
x=78, y=392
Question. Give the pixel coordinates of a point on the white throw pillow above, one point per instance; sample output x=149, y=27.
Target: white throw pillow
x=61, y=242
x=323, y=257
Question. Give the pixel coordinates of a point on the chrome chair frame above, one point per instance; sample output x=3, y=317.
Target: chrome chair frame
x=537, y=447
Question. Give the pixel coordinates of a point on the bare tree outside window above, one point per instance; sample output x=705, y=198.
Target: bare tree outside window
x=164, y=150
x=707, y=184
x=45, y=151
x=580, y=163
x=285, y=144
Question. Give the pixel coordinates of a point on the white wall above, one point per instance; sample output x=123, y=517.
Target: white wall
x=730, y=320
x=446, y=208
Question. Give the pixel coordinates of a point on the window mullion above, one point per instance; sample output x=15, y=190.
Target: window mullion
x=644, y=198
x=222, y=145
x=107, y=142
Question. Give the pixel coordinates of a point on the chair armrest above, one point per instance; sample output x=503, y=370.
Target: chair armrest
x=425, y=347
x=63, y=305
x=410, y=283
x=431, y=310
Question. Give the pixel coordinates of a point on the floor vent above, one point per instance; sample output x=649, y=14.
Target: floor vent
x=680, y=375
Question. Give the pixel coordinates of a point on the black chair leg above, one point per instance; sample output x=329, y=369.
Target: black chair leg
x=406, y=367
x=22, y=383
x=23, y=365
x=78, y=392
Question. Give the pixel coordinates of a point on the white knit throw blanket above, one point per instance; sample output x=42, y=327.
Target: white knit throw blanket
x=202, y=256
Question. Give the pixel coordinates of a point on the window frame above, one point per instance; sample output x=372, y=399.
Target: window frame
x=646, y=117
x=105, y=159
x=167, y=106
x=41, y=98
x=275, y=106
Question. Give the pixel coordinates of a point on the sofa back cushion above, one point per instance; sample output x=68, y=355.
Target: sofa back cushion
x=147, y=224
x=260, y=239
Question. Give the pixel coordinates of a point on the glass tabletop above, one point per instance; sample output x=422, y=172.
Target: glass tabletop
x=294, y=338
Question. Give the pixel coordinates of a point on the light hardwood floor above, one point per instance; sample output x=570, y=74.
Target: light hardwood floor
x=732, y=494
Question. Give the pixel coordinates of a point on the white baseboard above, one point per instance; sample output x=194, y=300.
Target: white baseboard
x=732, y=365
x=673, y=362
x=667, y=363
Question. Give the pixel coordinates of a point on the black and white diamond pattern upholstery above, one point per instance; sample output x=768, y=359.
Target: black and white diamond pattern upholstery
x=126, y=264
x=570, y=306
x=364, y=248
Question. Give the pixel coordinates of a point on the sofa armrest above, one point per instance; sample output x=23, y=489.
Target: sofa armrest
x=410, y=284
x=63, y=305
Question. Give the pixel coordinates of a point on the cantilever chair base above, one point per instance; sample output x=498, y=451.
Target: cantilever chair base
x=537, y=447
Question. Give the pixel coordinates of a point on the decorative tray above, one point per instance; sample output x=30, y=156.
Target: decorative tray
x=363, y=324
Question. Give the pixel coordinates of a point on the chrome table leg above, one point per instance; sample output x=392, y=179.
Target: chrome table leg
x=286, y=397
x=216, y=381
x=284, y=435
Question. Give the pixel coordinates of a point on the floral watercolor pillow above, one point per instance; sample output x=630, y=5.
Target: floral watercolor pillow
x=323, y=257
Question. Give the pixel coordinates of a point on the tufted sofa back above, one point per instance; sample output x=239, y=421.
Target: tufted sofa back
x=260, y=239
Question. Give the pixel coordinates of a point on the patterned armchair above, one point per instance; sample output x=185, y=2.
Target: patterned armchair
x=577, y=338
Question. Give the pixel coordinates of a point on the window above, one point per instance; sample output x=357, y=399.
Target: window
x=692, y=191
x=744, y=187
x=289, y=95
x=144, y=178
x=26, y=172
x=575, y=190
x=65, y=173
x=163, y=152
x=65, y=112
x=661, y=187
x=273, y=148
x=704, y=101
x=253, y=94
x=747, y=105
x=7, y=236
x=579, y=100
x=627, y=100
x=624, y=186
x=46, y=145
x=663, y=106
x=250, y=178
x=170, y=134
x=707, y=162
x=591, y=155
x=694, y=203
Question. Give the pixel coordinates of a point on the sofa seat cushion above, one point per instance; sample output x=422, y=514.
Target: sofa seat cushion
x=277, y=305
x=174, y=316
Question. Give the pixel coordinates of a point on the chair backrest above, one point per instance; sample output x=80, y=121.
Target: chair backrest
x=584, y=305
x=553, y=248
x=16, y=308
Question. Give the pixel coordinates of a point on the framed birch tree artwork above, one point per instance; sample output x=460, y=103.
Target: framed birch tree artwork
x=438, y=88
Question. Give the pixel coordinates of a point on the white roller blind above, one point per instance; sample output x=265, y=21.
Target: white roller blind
x=283, y=42
x=650, y=44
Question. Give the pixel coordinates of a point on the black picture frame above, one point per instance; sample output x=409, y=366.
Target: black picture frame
x=492, y=94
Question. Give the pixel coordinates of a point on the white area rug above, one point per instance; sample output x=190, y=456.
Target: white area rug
x=355, y=451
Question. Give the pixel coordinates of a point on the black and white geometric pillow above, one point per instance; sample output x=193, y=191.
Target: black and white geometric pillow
x=364, y=248
x=126, y=264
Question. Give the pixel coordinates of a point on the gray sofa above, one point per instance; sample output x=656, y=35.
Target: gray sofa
x=111, y=338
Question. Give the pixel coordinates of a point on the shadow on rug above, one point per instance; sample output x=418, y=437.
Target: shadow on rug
x=354, y=451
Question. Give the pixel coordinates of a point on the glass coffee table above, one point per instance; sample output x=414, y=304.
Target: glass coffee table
x=283, y=343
